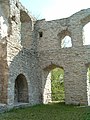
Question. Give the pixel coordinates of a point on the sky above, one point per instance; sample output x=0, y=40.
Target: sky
x=54, y=9
x=58, y=9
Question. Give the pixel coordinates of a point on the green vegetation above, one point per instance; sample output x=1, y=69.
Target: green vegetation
x=57, y=83
x=52, y=111
x=58, y=111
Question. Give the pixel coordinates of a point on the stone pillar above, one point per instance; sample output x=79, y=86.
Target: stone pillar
x=75, y=84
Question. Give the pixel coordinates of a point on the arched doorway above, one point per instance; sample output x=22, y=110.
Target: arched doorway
x=57, y=85
x=21, y=89
x=53, y=85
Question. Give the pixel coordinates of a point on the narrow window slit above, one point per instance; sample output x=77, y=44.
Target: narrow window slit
x=40, y=34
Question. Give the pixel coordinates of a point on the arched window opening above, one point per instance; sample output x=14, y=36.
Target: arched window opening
x=54, y=86
x=88, y=84
x=26, y=29
x=86, y=34
x=66, y=42
x=3, y=21
x=21, y=89
x=3, y=27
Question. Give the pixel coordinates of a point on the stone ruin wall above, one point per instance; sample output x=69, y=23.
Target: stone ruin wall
x=74, y=60
x=32, y=48
x=17, y=56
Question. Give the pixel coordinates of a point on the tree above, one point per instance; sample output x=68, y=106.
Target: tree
x=57, y=84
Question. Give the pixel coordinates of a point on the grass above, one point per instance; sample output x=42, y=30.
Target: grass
x=57, y=111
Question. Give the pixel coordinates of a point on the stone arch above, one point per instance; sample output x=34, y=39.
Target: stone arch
x=46, y=83
x=65, y=39
x=21, y=89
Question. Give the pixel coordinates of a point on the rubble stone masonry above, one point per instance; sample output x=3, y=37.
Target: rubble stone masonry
x=30, y=49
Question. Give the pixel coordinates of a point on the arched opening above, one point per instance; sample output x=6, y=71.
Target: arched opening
x=57, y=84
x=86, y=34
x=26, y=29
x=66, y=42
x=65, y=39
x=88, y=84
x=54, y=86
x=3, y=21
x=21, y=89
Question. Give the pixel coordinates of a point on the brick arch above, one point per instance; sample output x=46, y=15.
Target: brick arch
x=21, y=89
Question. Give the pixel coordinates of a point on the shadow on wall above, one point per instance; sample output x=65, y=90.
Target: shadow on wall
x=23, y=83
x=21, y=89
x=3, y=72
x=24, y=79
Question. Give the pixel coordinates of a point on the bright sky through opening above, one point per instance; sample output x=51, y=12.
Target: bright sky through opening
x=57, y=9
